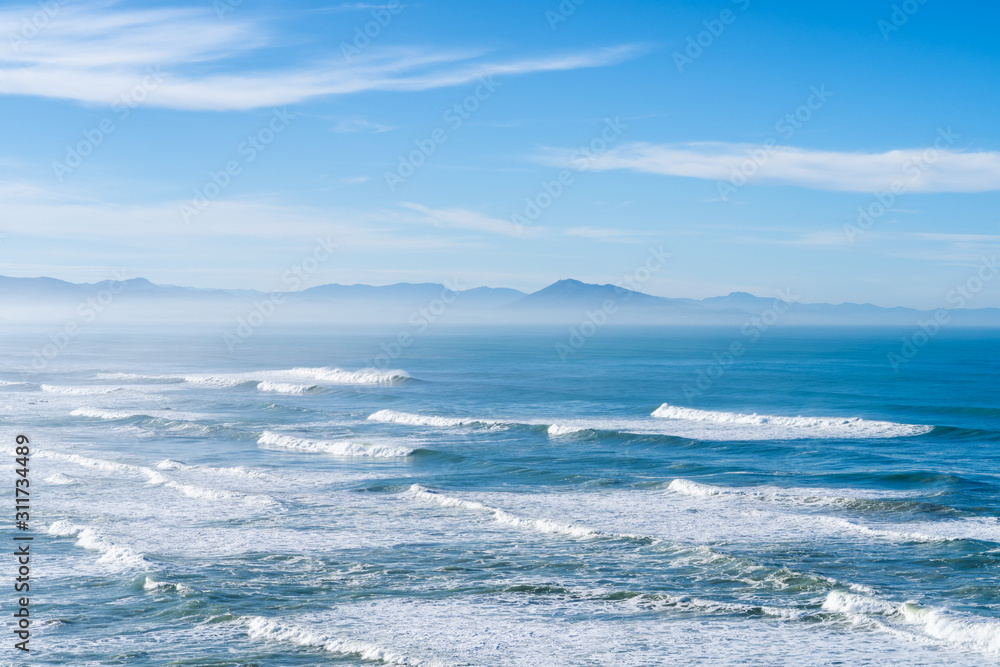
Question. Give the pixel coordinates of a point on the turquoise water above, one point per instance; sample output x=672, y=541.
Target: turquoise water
x=480, y=501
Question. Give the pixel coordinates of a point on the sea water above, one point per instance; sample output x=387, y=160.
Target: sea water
x=478, y=498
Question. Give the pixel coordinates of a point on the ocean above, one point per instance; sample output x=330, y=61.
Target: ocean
x=483, y=496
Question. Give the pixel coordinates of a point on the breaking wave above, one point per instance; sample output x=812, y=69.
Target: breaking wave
x=262, y=628
x=334, y=447
x=111, y=553
x=818, y=426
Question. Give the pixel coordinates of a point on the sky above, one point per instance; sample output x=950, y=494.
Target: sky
x=834, y=151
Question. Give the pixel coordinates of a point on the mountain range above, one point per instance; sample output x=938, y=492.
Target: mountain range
x=138, y=300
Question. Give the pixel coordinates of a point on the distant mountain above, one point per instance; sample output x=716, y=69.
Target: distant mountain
x=573, y=293
x=566, y=301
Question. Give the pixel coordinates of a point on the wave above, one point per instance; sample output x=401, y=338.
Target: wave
x=285, y=388
x=562, y=429
x=155, y=478
x=272, y=378
x=168, y=415
x=684, y=602
x=202, y=493
x=689, y=487
x=262, y=628
x=736, y=568
x=81, y=391
x=363, y=376
x=963, y=630
x=821, y=426
x=678, y=422
x=506, y=518
x=60, y=479
x=984, y=529
x=411, y=419
x=150, y=584
x=88, y=538
x=235, y=471
x=96, y=413
x=334, y=447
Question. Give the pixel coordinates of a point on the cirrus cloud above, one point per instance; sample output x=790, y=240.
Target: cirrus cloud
x=919, y=170
x=96, y=54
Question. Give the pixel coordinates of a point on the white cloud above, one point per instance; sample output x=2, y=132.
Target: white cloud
x=98, y=54
x=919, y=170
x=359, y=124
x=469, y=220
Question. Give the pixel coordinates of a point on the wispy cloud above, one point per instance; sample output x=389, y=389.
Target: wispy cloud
x=470, y=220
x=359, y=124
x=948, y=171
x=97, y=53
x=358, y=7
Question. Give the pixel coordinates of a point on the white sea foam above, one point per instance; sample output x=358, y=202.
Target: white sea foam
x=262, y=628
x=339, y=376
x=334, y=447
x=155, y=478
x=562, y=429
x=973, y=528
x=96, y=413
x=964, y=630
x=506, y=518
x=60, y=479
x=234, y=471
x=411, y=419
x=81, y=391
x=793, y=495
x=664, y=600
x=202, y=493
x=285, y=388
x=111, y=553
x=504, y=632
x=819, y=426
x=680, y=422
x=152, y=585
x=170, y=415
x=285, y=378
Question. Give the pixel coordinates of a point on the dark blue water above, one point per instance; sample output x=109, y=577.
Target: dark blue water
x=479, y=500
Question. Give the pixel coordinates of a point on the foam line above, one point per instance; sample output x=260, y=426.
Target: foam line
x=111, y=553
x=333, y=447
x=262, y=628
x=963, y=630
x=823, y=425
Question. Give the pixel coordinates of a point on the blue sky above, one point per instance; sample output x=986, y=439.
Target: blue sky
x=746, y=156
